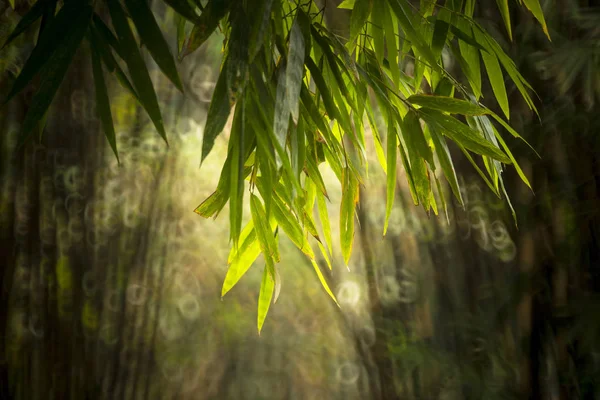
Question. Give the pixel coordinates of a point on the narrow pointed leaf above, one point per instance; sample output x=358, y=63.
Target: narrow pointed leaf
x=102, y=100
x=183, y=8
x=505, y=12
x=536, y=9
x=392, y=153
x=218, y=113
x=208, y=21
x=59, y=36
x=323, y=281
x=55, y=68
x=27, y=20
x=295, y=70
x=265, y=296
x=347, y=208
x=137, y=66
x=360, y=15
x=153, y=39
x=447, y=104
x=463, y=134
x=494, y=72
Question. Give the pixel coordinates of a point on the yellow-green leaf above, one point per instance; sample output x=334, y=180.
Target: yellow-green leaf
x=323, y=281
x=265, y=296
x=392, y=153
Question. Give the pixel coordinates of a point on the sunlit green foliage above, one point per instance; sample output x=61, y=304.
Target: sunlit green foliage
x=299, y=95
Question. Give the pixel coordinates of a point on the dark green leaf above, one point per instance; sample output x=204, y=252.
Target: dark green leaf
x=447, y=104
x=360, y=15
x=153, y=39
x=54, y=65
x=137, y=67
x=102, y=100
x=208, y=21
x=218, y=113
x=27, y=20
x=183, y=8
x=54, y=40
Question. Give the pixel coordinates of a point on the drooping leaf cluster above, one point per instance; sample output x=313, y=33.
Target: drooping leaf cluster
x=300, y=96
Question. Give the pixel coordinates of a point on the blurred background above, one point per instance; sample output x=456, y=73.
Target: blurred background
x=110, y=284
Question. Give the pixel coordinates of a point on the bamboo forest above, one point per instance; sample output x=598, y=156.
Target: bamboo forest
x=299, y=199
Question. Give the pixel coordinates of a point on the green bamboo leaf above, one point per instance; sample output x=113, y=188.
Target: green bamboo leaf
x=324, y=218
x=57, y=37
x=471, y=64
x=180, y=22
x=241, y=259
x=265, y=236
x=391, y=43
x=376, y=26
x=440, y=191
x=360, y=15
x=447, y=104
x=265, y=296
x=136, y=66
x=463, y=134
x=153, y=39
x=323, y=281
x=536, y=9
x=347, y=4
x=206, y=24
x=392, y=153
x=295, y=69
x=405, y=17
x=414, y=138
x=418, y=151
x=257, y=33
x=236, y=191
x=512, y=158
x=282, y=109
x=183, y=8
x=102, y=100
x=494, y=72
x=316, y=75
x=479, y=171
x=445, y=159
x=218, y=113
x=512, y=131
x=348, y=204
x=290, y=225
x=505, y=12
x=440, y=33
x=54, y=67
x=408, y=170
x=28, y=19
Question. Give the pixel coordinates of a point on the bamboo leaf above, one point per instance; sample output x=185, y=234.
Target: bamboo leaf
x=242, y=259
x=360, y=15
x=494, y=72
x=323, y=281
x=445, y=159
x=136, y=66
x=392, y=153
x=348, y=204
x=54, y=67
x=218, y=113
x=28, y=19
x=102, y=101
x=265, y=296
x=206, y=24
x=447, y=104
x=463, y=134
x=505, y=12
x=536, y=9
x=58, y=37
x=153, y=39
x=295, y=70
x=324, y=218
x=183, y=8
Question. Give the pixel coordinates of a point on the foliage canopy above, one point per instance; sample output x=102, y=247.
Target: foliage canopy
x=303, y=96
